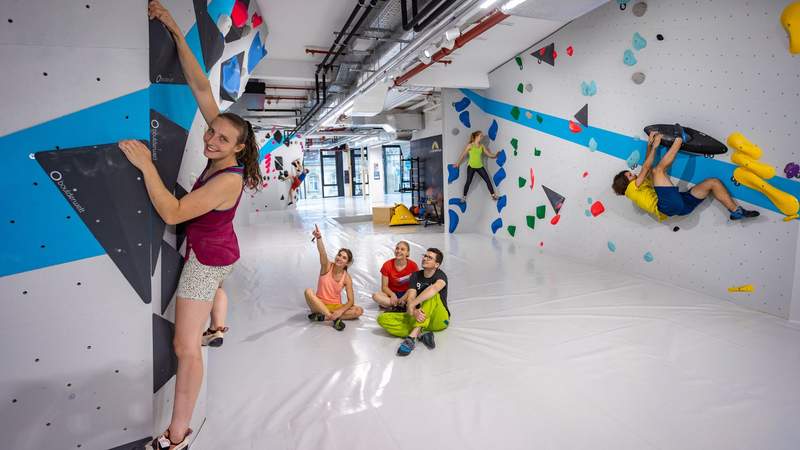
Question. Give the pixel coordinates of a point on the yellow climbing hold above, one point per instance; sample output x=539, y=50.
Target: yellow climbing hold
x=786, y=203
x=743, y=288
x=792, y=217
x=790, y=19
x=741, y=159
x=741, y=143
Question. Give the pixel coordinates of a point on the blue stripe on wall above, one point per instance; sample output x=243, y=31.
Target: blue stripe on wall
x=692, y=169
x=267, y=148
x=39, y=210
x=175, y=101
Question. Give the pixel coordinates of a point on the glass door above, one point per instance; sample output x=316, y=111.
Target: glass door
x=332, y=179
x=312, y=186
x=358, y=159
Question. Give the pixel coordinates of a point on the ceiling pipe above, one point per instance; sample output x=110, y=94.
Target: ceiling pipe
x=285, y=97
x=421, y=39
x=325, y=65
x=421, y=19
x=314, y=51
x=294, y=88
x=485, y=24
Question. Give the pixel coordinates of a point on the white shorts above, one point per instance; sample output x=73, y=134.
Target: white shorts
x=200, y=282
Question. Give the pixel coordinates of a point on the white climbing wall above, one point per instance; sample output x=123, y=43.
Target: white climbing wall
x=87, y=355
x=721, y=67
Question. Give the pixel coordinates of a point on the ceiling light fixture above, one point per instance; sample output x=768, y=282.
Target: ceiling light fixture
x=487, y=4
x=511, y=5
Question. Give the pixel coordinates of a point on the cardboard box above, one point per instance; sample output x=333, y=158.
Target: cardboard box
x=382, y=214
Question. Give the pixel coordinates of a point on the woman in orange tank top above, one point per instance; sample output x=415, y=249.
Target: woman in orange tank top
x=326, y=303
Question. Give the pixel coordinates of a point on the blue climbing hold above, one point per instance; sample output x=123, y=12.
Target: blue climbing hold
x=611, y=246
x=461, y=104
x=633, y=159
x=464, y=118
x=628, y=58
x=501, y=203
x=648, y=257
x=639, y=42
x=256, y=54
x=497, y=224
x=452, y=173
x=453, y=220
x=493, y=130
x=499, y=177
x=588, y=89
x=458, y=202
x=501, y=158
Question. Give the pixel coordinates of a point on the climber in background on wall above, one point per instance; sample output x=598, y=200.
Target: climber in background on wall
x=476, y=150
x=212, y=247
x=297, y=180
x=326, y=303
x=652, y=189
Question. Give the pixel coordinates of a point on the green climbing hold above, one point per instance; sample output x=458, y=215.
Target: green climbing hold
x=539, y=118
x=515, y=152
x=514, y=143
x=520, y=88
x=515, y=113
x=512, y=229
x=522, y=181
x=540, y=211
x=536, y=152
x=519, y=61
x=531, y=221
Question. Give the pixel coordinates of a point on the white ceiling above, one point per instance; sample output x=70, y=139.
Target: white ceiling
x=297, y=24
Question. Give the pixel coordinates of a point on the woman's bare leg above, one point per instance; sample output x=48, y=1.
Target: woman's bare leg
x=190, y=319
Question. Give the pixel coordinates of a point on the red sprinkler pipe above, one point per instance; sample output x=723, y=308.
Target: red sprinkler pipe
x=486, y=23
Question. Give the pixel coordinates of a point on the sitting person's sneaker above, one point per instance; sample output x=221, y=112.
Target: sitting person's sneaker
x=427, y=339
x=742, y=213
x=406, y=347
x=214, y=338
x=316, y=317
x=338, y=324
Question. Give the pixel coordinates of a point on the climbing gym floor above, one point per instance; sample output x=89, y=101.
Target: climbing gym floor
x=543, y=352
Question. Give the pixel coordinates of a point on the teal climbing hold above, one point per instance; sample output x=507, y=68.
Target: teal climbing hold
x=648, y=257
x=639, y=42
x=628, y=58
x=633, y=159
x=611, y=246
x=588, y=89
x=592, y=144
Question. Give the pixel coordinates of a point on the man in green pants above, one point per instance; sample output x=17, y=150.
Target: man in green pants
x=426, y=306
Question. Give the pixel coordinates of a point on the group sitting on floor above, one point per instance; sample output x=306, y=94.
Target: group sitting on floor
x=413, y=301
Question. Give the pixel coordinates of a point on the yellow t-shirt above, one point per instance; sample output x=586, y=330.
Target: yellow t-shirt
x=645, y=197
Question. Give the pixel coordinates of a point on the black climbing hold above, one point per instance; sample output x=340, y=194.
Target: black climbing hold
x=660, y=37
x=676, y=229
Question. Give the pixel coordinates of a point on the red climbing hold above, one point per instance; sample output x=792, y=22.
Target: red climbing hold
x=531, y=178
x=555, y=55
x=541, y=243
x=569, y=50
x=574, y=127
x=597, y=208
x=239, y=14
x=585, y=174
x=555, y=219
x=256, y=20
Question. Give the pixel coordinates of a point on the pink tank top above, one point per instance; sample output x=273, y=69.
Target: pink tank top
x=330, y=290
x=211, y=235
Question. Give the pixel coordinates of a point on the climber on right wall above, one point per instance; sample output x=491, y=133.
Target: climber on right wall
x=652, y=189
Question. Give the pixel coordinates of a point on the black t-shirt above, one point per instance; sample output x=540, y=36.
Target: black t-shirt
x=419, y=283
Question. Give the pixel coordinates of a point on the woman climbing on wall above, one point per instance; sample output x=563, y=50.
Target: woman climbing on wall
x=212, y=247
x=476, y=150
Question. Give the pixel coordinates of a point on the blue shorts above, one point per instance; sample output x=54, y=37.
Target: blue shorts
x=671, y=202
x=399, y=294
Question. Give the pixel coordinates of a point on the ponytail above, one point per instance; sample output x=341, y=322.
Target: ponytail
x=248, y=156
